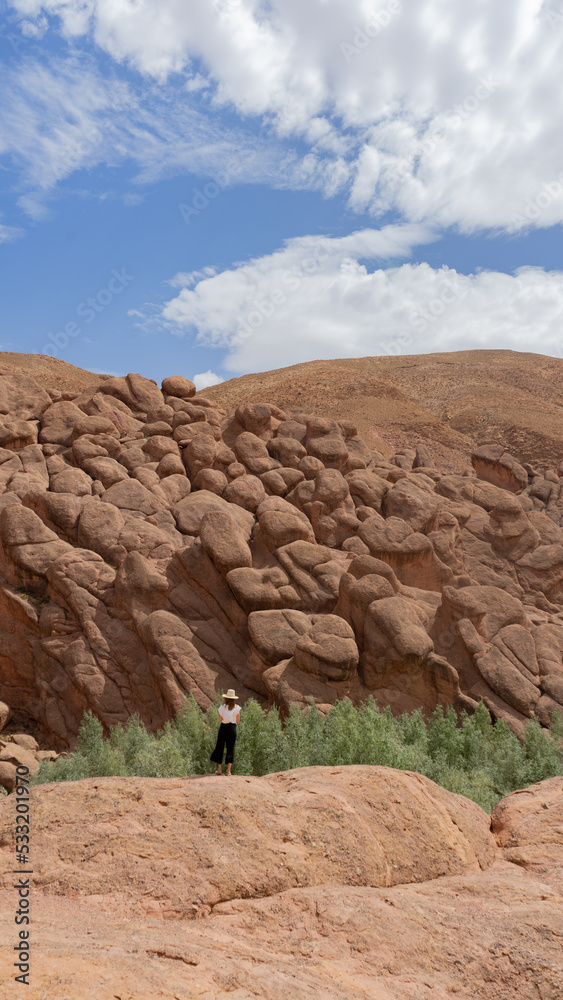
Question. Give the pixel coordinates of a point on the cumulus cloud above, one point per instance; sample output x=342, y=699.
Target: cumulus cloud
x=437, y=114
x=440, y=111
x=314, y=299
x=205, y=379
x=226, y=308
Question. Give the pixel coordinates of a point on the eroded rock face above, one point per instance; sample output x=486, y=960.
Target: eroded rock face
x=153, y=545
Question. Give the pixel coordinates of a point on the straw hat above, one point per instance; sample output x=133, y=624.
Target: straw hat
x=230, y=695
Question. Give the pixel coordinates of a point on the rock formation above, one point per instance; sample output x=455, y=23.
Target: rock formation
x=347, y=883
x=20, y=749
x=152, y=545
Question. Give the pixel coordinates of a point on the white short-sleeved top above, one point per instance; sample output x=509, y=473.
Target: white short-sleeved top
x=229, y=716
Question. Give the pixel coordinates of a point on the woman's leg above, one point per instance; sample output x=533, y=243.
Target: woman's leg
x=231, y=736
x=217, y=755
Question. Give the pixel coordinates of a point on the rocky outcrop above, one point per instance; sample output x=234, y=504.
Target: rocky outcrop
x=153, y=545
x=339, y=882
x=19, y=749
x=443, y=833
x=493, y=463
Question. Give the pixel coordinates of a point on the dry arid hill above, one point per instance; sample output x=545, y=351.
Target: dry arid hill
x=356, y=883
x=50, y=373
x=452, y=402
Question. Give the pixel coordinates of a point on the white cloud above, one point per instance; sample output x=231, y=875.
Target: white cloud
x=224, y=309
x=132, y=200
x=103, y=371
x=185, y=279
x=443, y=112
x=196, y=83
x=50, y=124
x=9, y=233
x=34, y=29
x=313, y=299
x=206, y=379
x=63, y=115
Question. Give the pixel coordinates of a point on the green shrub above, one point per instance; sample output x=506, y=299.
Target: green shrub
x=557, y=728
x=195, y=734
x=94, y=756
x=468, y=755
x=165, y=758
x=341, y=743
x=542, y=758
x=272, y=755
x=131, y=740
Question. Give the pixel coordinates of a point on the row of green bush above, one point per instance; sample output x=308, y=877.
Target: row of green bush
x=472, y=756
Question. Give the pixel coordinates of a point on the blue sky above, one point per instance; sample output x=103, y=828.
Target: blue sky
x=232, y=186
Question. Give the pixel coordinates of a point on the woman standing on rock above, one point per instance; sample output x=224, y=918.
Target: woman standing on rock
x=229, y=715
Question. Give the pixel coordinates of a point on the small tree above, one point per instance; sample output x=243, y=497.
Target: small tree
x=296, y=743
x=194, y=734
x=248, y=747
x=542, y=759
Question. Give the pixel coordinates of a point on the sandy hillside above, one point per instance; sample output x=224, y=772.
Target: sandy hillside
x=51, y=373
x=449, y=401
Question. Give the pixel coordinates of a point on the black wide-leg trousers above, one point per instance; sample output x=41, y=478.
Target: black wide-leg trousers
x=226, y=737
